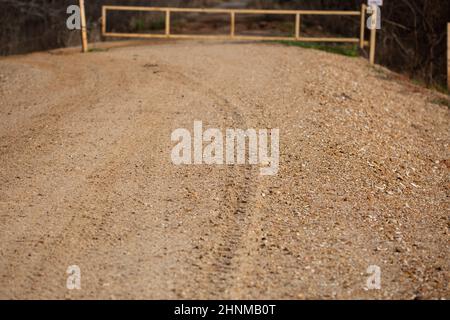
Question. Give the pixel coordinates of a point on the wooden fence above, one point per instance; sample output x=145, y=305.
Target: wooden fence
x=233, y=36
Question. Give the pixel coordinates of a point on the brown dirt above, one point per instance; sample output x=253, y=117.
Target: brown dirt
x=86, y=177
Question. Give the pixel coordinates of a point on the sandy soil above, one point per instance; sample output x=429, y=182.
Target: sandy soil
x=86, y=176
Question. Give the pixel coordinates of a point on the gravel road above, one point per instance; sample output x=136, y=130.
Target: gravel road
x=86, y=176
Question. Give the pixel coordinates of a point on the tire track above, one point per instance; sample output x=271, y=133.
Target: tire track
x=241, y=192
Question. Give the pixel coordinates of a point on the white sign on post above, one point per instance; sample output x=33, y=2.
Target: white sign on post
x=375, y=2
x=374, y=21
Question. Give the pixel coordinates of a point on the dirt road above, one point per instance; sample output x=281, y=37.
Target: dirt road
x=86, y=176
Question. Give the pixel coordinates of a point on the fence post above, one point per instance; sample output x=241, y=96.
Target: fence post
x=103, y=20
x=84, y=42
x=297, y=26
x=373, y=34
x=168, y=23
x=233, y=24
x=448, y=56
x=363, y=26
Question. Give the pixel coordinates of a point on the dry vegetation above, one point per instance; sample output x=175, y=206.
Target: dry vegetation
x=413, y=36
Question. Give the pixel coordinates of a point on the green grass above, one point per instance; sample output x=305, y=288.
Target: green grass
x=97, y=49
x=343, y=49
x=442, y=101
x=141, y=25
x=434, y=86
x=157, y=25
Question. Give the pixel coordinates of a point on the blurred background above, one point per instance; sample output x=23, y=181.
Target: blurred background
x=412, y=41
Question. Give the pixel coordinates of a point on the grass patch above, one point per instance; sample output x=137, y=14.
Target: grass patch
x=140, y=25
x=434, y=86
x=342, y=49
x=97, y=49
x=442, y=102
x=157, y=25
